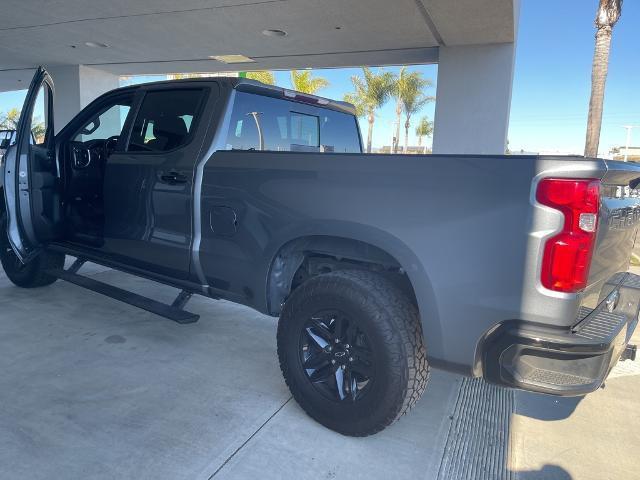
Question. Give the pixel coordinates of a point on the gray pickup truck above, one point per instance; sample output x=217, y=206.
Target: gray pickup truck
x=511, y=268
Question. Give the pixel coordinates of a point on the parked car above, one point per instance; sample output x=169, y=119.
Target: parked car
x=511, y=268
x=6, y=137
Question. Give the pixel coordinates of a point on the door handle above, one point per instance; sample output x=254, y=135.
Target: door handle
x=173, y=178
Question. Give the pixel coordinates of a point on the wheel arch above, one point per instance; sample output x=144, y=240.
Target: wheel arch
x=374, y=250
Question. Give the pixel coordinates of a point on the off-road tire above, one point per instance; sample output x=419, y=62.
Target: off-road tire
x=392, y=323
x=33, y=274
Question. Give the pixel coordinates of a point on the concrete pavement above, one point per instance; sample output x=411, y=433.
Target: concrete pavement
x=91, y=388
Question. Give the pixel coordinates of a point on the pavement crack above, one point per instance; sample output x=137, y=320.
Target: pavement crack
x=235, y=452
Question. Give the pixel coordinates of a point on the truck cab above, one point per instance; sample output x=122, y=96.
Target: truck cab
x=118, y=179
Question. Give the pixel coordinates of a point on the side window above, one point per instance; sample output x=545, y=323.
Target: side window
x=305, y=132
x=165, y=121
x=265, y=123
x=339, y=133
x=243, y=131
x=106, y=124
x=39, y=117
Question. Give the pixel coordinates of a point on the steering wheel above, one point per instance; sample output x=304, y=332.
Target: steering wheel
x=110, y=144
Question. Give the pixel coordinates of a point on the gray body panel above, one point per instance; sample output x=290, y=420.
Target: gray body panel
x=466, y=229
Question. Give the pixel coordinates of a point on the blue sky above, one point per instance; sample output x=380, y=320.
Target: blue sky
x=553, y=76
x=551, y=81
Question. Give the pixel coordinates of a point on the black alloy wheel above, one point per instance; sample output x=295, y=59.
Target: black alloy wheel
x=351, y=350
x=336, y=356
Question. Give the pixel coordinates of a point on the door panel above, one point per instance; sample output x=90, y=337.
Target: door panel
x=148, y=187
x=30, y=173
x=147, y=220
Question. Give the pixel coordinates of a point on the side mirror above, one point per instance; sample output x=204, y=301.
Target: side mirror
x=91, y=127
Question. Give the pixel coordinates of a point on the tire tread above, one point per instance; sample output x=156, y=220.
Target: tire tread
x=34, y=276
x=400, y=315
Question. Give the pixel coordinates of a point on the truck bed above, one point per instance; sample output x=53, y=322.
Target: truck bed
x=465, y=228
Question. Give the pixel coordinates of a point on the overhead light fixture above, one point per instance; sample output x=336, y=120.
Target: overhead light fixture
x=274, y=33
x=96, y=45
x=232, y=58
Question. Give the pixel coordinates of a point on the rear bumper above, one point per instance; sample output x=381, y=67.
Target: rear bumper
x=565, y=362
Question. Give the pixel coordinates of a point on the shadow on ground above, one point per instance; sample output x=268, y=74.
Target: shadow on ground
x=548, y=472
x=546, y=407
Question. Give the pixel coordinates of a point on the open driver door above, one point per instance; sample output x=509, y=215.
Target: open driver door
x=32, y=198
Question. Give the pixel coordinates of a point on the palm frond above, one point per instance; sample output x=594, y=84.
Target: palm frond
x=424, y=127
x=265, y=76
x=304, y=81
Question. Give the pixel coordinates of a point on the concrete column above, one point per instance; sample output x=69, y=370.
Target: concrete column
x=473, y=99
x=75, y=87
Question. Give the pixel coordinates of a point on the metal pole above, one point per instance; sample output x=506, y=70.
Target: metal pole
x=256, y=118
x=628, y=128
x=626, y=148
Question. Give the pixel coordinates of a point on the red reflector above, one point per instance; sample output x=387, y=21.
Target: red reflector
x=567, y=255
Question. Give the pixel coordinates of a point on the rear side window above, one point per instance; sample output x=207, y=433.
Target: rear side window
x=339, y=132
x=265, y=123
x=165, y=121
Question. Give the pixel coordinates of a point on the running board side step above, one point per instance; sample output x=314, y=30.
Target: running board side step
x=172, y=312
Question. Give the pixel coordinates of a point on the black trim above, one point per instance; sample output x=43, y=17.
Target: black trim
x=558, y=361
x=171, y=312
x=104, y=260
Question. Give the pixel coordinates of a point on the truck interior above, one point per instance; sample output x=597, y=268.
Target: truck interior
x=82, y=154
x=85, y=146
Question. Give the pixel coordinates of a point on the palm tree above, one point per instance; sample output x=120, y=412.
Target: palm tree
x=9, y=120
x=265, y=76
x=398, y=91
x=371, y=92
x=424, y=129
x=304, y=81
x=407, y=90
x=413, y=103
x=608, y=14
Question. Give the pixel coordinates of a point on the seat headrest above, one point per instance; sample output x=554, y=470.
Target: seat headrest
x=169, y=127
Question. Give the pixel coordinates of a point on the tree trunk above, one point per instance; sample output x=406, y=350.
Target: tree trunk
x=598, y=79
x=407, y=124
x=419, y=140
x=371, y=119
x=398, y=118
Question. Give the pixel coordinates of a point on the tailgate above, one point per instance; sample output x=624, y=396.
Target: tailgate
x=617, y=224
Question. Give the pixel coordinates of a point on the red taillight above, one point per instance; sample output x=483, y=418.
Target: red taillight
x=567, y=255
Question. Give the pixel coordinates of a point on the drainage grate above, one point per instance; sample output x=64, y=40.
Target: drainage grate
x=478, y=440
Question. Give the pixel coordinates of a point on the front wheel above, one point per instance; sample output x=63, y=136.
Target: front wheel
x=32, y=274
x=351, y=351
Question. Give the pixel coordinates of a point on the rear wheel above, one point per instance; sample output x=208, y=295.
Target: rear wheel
x=351, y=351
x=32, y=274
